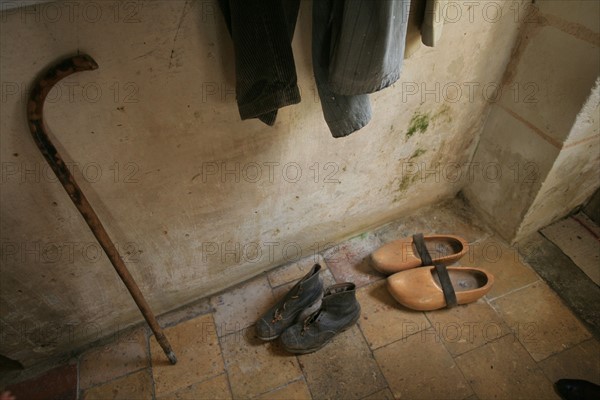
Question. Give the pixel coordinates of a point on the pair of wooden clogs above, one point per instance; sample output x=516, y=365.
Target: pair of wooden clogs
x=419, y=277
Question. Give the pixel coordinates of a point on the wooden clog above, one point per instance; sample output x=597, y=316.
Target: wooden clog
x=420, y=288
x=402, y=254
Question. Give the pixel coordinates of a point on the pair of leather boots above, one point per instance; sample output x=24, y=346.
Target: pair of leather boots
x=302, y=328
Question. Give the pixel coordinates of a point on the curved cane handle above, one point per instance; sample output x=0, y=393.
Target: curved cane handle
x=35, y=117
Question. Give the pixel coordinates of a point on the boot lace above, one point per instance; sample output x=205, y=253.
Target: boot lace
x=278, y=314
x=308, y=321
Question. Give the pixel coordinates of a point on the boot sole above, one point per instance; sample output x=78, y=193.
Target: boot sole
x=267, y=339
x=299, y=351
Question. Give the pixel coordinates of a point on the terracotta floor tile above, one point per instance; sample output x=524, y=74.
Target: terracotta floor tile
x=216, y=388
x=294, y=271
x=579, y=362
x=383, y=394
x=419, y=367
x=343, y=369
x=256, y=367
x=240, y=307
x=137, y=386
x=293, y=391
x=502, y=261
x=350, y=260
x=57, y=384
x=504, y=370
x=540, y=320
x=578, y=241
x=466, y=327
x=383, y=320
x=572, y=285
x=512, y=346
x=129, y=353
x=198, y=355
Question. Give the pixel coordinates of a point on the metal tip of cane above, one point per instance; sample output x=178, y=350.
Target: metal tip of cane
x=172, y=358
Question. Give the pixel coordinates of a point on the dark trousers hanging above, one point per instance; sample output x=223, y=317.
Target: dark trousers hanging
x=262, y=32
x=357, y=46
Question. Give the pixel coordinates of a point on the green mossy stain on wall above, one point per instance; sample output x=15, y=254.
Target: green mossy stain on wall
x=406, y=181
x=403, y=186
x=417, y=153
x=418, y=123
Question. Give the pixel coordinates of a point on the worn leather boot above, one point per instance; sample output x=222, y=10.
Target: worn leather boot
x=306, y=292
x=339, y=311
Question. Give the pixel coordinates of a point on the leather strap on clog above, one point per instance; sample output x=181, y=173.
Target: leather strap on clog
x=419, y=242
x=440, y=269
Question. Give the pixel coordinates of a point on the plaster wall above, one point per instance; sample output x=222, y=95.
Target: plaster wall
x=541, y=144
x=575, y=174
x=196, y=199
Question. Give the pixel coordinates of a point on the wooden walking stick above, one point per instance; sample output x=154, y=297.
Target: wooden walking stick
x=35, y=117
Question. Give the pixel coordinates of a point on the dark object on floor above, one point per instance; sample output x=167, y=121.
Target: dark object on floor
x=59, y=383
x=283, y=314
x=339, y=311
x=577, y=389
x=35, y=117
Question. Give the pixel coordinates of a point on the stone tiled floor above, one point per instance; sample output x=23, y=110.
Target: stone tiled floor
x=512, y=344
